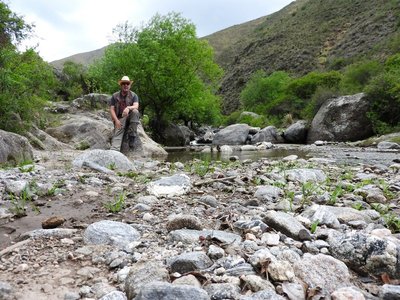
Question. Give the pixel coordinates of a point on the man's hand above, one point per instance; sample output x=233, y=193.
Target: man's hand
x=118, y=124
x=125, y=112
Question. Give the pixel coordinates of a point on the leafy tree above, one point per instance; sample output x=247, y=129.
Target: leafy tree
x=13, y=28
x=173, y=71
x=383, y=92
x=304, y=94
x=26, y=80
x=26, y=83
x=304, y=87
x=73, y=81
x=356, y=76
x=262, y=92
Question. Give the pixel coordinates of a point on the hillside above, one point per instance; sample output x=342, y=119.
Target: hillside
x=84, y=58
x=305, y=35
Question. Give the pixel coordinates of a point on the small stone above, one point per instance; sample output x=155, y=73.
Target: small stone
x=148, y=217
x=21, y=268
x=184, y=221
x=52, y=222
x=67, y=241
x=71, y=296
x=270, y=239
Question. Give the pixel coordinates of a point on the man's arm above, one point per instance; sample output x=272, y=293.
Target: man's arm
x=117, y=123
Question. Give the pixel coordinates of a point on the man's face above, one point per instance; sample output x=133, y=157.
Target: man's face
x=125, y=86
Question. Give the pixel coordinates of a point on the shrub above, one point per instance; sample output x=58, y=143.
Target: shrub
x=317, y=100
x=356, y=76
x=27, y=82
x=262, y=92
x=383, y=92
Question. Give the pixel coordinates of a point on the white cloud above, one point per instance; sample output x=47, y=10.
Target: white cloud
x=64, y=28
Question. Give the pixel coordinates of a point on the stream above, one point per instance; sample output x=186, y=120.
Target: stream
x=337, y=153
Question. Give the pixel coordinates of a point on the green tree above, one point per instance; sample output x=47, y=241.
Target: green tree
x=173, y=71
x=73, y=81
x=262, y=92
x=383, y=92
x=307, y=93
x=304, y=87
x=13, y=29
x=26, y=81
x=356, y=76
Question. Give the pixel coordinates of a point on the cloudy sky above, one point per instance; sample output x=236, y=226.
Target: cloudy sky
x=67, y=27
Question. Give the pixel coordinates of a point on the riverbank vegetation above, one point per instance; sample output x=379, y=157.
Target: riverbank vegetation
x=177, y=79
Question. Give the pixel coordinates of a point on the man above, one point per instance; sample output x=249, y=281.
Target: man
x=124, y=107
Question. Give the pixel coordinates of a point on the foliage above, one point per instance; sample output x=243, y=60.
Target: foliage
x=173, y=71
x=383, y=92
x=18, y=206
x=392, y=222
x=83, y=145
x=278, y=94
x=13, y=29
x=73, y=81
x=26, y=83
x=200, y=167
x=357, y=75
x=314, y=226
x=305, y=87
x=117, y=205
x=263, y=92
x=26, y=80
x=252, y=120
x=319, y=97
x=231, y=118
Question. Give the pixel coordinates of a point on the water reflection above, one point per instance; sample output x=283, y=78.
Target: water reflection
x=184, y=155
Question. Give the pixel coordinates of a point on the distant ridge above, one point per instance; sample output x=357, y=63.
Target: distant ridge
x=85, y=58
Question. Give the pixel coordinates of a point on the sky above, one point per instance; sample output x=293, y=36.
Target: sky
x=67, y=27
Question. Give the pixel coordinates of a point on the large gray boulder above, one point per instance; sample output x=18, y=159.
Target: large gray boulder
x=92, y=101
x=14, y=148
x=235, y=134
x=267, y=134
x=341, y=119
x=175, y=135
x=83, y=131
x=110, y=159
x=296, y=133
x=41, y=140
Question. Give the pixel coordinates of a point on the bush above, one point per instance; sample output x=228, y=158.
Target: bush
x=356, y=76
x=27, y=83
x=264, y=92
x=383, y=92
x=251, y=120
x=304, y=87
x=317, y=100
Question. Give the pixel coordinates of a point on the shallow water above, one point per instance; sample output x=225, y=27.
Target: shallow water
x=341, y=154
x=184, y=155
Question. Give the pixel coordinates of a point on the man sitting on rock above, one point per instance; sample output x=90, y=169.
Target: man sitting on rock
x=124, y=107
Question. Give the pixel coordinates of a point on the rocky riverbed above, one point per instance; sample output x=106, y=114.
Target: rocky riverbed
x=319, y=227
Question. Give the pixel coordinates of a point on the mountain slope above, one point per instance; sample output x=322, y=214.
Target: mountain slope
x=306, y=35
x=84, y=58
